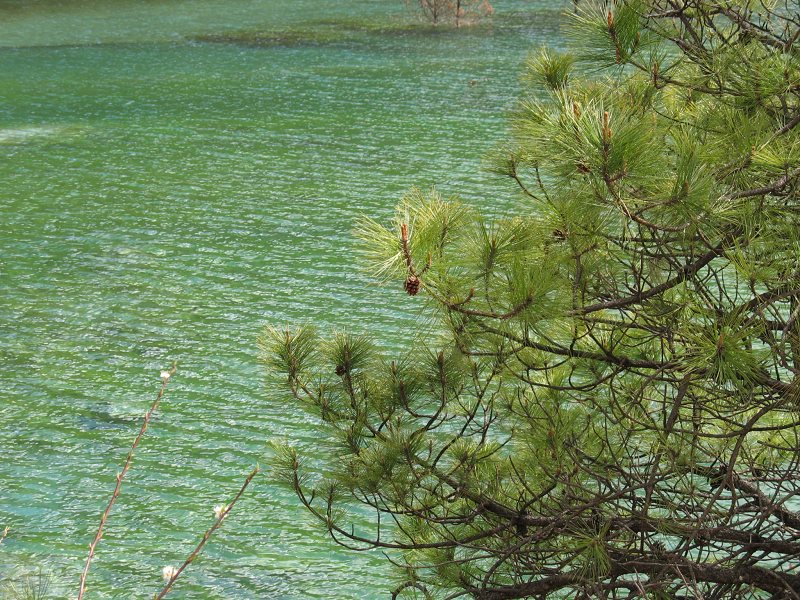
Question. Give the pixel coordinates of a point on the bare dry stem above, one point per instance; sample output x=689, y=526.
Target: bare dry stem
x=207, y=535
x=120, y=476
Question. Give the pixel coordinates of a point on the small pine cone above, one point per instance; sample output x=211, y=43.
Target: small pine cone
x=341, y=370
x=411, y=285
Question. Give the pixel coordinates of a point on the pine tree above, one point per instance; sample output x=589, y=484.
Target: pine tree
x=607, y=407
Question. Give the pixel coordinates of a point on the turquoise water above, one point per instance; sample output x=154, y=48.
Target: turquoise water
x=174, y=175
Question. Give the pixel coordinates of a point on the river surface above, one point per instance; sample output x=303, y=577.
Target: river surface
x=175, y=175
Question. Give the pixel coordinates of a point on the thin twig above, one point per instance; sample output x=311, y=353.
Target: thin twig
x=791, y=124
x=165, y=377
x=194, y=554
x=406, y=250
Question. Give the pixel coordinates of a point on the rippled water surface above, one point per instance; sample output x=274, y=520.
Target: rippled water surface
x=174, y=175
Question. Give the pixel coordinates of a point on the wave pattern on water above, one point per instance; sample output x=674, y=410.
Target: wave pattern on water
x=163, y=200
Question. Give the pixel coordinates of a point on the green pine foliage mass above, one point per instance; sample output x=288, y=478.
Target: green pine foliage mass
x=606, y=404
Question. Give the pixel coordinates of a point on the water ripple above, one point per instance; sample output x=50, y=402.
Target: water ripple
x=162, y=201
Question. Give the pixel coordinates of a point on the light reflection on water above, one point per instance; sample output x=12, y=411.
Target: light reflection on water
x=162, y=199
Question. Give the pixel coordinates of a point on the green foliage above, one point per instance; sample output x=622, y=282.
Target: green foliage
x=432, y=222
x=30, y=586
x=288, y=351
x=607, y=404
x=550, y=69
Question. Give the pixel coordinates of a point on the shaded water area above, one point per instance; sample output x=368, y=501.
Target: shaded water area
x=174, y=175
